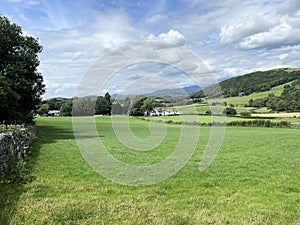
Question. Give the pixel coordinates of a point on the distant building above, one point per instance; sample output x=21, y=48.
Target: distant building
x=242, y=94
x=164, y=112
x=53, y=113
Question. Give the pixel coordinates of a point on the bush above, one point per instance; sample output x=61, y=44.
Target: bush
x=229, y=111
x=245, y=114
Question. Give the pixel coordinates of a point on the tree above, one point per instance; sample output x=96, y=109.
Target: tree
x=8, y=99
x=66, y=108
x=117, y=109
x=108, y=102
x=83, y=107
x=54, y=103
x=18, y=65
x=103, y=105
x=148, y=105
x=141, y=104
x=229, y=111
x=126, y=105
x=44, y=109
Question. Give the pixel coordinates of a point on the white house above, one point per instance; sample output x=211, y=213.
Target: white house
x=164, y=112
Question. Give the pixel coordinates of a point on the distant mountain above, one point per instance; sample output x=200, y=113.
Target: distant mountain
x=176, y=91
x=183, y=92
x=192, y=89
x=250, y=83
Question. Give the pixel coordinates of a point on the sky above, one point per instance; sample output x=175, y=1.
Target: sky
x=229, y=37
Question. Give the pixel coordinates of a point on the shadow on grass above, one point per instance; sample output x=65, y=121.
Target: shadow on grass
x=10, y=192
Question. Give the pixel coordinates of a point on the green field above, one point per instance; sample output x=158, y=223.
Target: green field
x=238, y=102
x=253, y=180
x=202, y=108
x=245, y=99
x=209, y=119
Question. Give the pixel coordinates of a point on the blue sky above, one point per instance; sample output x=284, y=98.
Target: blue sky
x=231, y=37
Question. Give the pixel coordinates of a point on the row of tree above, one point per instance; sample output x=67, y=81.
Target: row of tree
x=21, y=85
x=101, y=105
x=288, y=101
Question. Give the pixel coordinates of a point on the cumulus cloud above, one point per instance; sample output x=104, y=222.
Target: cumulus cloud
x=172, y=36
x=232, y=33
x=287, y=32
x=68, y=53
x=232, y=37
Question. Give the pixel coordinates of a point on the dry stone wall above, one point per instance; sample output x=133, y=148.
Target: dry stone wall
x=14, y=144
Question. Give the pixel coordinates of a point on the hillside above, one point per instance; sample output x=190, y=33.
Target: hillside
x=247, y=84
x=243, y=100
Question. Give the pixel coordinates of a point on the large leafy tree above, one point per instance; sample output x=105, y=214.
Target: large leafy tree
x=21, y=83
x=141, y=104
x=103, y=105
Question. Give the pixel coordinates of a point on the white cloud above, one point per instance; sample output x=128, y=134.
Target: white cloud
x=232, y=33
x=283, y=56
x=156, y=18
x=172, y=36
x=233, y=37
x=287, y=32
x=68, y=53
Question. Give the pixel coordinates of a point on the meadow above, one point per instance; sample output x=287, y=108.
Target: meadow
x=209, y=119
x=253, y=180
x=238, y=102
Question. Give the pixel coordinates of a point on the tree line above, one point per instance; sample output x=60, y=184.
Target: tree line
x=288, y=101
x=138, y=105
x=249, y=83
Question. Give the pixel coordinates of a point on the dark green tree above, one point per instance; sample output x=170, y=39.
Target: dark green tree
x=66, y=107
x=117, y=109
x=229, y=111
x=137, y=108
x=44, y=109
x=141, y=105
x=18, y=64
x=83, y=107
x=126, y=105
x=148, y=105
x=8, y=101
x=103, y=105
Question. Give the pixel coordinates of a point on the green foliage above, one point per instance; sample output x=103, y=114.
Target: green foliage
x=137, y=108
x=66, y=107
x=288, y=101
x=229, y=111
x=43, y=109
x=8, y=101
x=54, y=103
x=245, y=114
x=103, y=105
x=142, y=104
x=22, y=85
x=259, y=81
x=83, y=107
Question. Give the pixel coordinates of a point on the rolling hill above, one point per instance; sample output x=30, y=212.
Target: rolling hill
x=260, y=81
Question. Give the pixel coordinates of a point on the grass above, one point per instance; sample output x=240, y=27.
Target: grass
x=253, y=180
x=245, y=99
x=202, y=108
x=209, y=119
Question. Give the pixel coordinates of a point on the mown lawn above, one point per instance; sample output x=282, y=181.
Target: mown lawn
x=253, y=180
x=209, y=119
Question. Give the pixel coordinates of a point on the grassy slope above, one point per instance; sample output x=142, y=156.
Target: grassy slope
x=253, y=180
x=245, y=99
x=238, y=102
x=252, y=82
